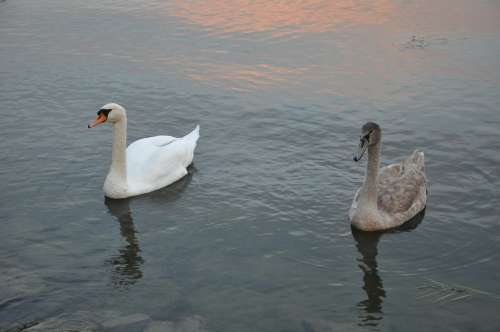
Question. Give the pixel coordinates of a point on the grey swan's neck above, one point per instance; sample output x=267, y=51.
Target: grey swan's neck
x=369, y=189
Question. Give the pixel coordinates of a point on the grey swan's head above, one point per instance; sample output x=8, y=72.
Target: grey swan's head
x=371, y=134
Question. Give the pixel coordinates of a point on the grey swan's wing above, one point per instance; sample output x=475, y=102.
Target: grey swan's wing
x=402, y=187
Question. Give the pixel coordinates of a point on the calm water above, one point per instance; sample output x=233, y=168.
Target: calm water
x=256, y=238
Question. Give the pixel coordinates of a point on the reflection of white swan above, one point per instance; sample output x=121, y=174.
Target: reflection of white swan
x=394, y=196
x=127, y=264
x=147, y=164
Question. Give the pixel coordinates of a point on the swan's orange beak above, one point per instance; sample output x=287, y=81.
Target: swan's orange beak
x=101, y=118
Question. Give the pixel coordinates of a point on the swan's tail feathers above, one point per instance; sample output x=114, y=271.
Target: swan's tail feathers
x=189, y=143
x=417, y=160
x=194, y=135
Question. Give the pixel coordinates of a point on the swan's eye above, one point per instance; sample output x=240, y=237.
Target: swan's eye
x=104, y=111
x=369, y=135
x=366, y=137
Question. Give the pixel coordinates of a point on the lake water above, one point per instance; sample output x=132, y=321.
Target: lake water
x=256, y=238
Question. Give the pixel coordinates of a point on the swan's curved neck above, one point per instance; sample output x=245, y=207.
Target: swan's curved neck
x=369, y=192
x=118, y=167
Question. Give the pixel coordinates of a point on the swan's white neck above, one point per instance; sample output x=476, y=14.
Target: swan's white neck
x=116, y=185
x=369, y=190
x=119, y=154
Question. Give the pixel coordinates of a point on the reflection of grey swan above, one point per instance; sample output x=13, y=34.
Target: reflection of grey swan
x=371, y=308
x=147, y=164
x=127, y=264
x=394, y=196
x=367, y=244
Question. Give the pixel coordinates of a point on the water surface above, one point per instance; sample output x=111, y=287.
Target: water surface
x=256, y=237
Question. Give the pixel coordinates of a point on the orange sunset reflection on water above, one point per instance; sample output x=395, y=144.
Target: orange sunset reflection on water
x=270, y=19
x=281, y=18
x=325, y=46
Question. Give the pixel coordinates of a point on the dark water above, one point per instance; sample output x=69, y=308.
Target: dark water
x=256, y=238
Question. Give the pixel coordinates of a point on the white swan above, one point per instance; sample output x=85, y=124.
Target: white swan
x=147, y=164
x=394, y=196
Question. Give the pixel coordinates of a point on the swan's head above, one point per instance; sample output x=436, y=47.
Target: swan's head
x=110, y=112
x=370, y=135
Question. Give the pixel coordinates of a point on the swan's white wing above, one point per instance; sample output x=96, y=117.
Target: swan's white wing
x=140, y=151
x=400, y=186
x=155, y=162
x=158, y=141
x=155, y=141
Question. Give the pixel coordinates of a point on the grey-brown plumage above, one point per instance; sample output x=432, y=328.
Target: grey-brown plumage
x=392, y=195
